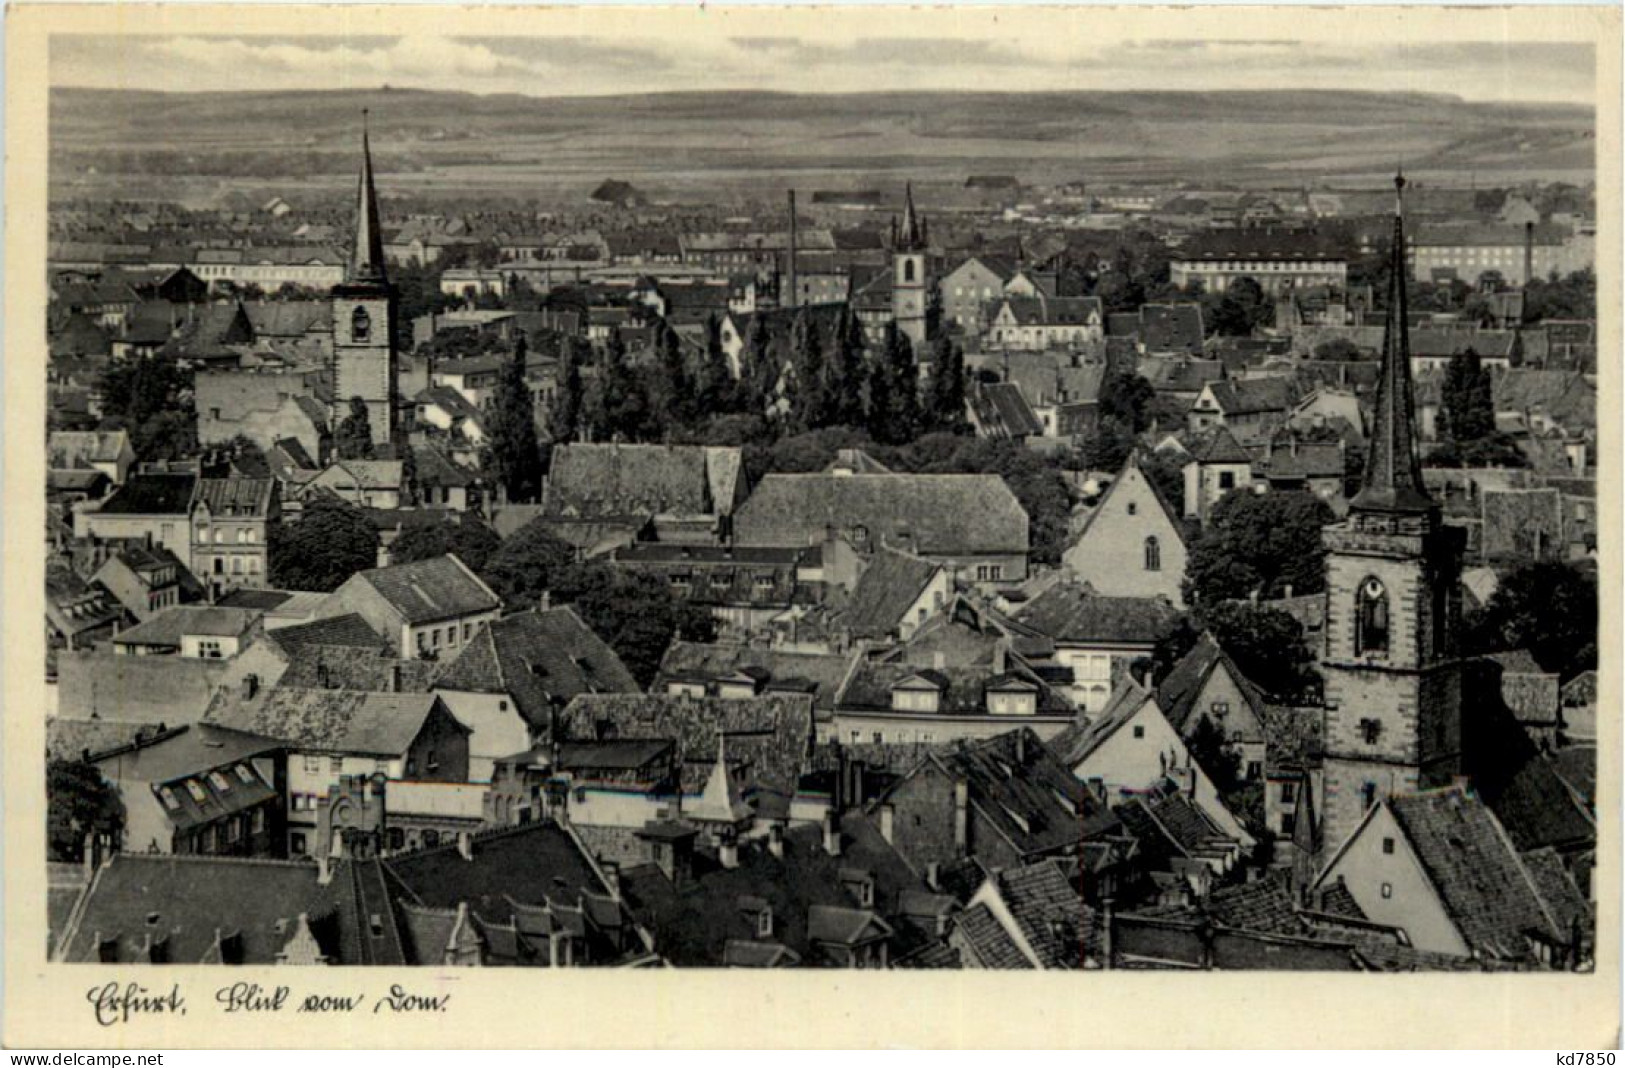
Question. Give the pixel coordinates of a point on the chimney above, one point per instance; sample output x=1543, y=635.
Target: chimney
x=775, y=840
x=1108, y=918
x=612, y=878
x=933, y=875
x=465, y=845
x=1528, y=252
x=324, y=869
x=961, y=816
x=888, y=818
x=939, y=661
x=832, y=834
x=1001, y=657
x=728, y=850
x=546, y=603
x=1021, y=747
x=795, y=297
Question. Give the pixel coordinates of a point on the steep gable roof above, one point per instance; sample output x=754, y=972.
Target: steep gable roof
x=541, y=659
x=1177, y=694
x=622, y=480
x=889, y=586
x=441, y=587
x=330, y=721
x=935, y=514
x=1074, y=613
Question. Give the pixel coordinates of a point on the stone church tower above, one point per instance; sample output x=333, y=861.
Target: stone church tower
x=1393, y=716
x=364, y=358
x=909, y=286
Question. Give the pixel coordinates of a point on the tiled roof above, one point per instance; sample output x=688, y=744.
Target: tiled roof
x=1177, y=693
x=986, y=939
x=934, y=514
x=425, y=591
x=1246, y=396
x=329, y=721
x=824, y=672
x=962, y=689
x=1563, y=897
x=1217, y=445
x=1021, y=790
x=236, y=497
x=1003, y=411
x=1074, y=613
x=186, y=904
x=170, y=625
x=1261, y=905
x=1483, y=886
x=1049, y=911
x=770, y=735
x=594, y=481
x=889, y=586
x=151, y=495
x=1538, y=808
x=68, y=739
x=541, y=659
x=1074, y=745
x=349, y=631
x=1171, y=328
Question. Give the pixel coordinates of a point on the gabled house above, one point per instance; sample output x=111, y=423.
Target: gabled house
x=204, y=632
x=1097, y=638
x=145, y=581
x=107, y=451
x=1131, y=749
x=972, y=523
x=516, y=673
x=231, y=521
x=1206, y=684
x=892, y=702
x=1132, y=544
x=1217, y=465
x=332, y=734
x=1251, y=408
x=894, y=596
x=1027, y=917
x=1039, y=322
x=425, y=608
x=368, y=483
x=1440, y=866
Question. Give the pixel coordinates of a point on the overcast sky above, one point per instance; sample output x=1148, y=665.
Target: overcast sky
x=543, y=66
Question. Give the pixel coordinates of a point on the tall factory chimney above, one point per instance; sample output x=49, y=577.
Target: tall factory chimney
x=794, y=296
x=1528, y=252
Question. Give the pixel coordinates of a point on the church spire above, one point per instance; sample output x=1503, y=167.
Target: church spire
x=911, y=235
x=1393, y=474
x=367, y=258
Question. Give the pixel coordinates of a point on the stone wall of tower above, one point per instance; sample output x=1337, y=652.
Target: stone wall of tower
x=909, y=298
x=365, y=367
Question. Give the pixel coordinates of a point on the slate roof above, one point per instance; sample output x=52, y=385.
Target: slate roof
x=888, y=587
x=770, y=735
x=541, y=659
x=963, y=689
x=821, y=674
x=347, y=631
x=236, y=497
x=190, y=903
x=1073, y=613
x=936, y=514
x=597, y=481
x=1177, y=693
x=151, y=495
x=425, y=591
x=1485, y=889
x=168, y=626
x=329, y=721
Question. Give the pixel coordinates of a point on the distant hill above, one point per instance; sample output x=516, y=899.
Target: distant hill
x=670, y=141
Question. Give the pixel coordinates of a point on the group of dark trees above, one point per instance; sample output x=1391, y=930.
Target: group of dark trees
x=151, y=398
x=812, y=378
x=1259, y=546
x=1467, y=433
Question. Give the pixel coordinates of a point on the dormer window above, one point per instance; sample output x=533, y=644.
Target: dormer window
x=195, y=788
x=764, y=922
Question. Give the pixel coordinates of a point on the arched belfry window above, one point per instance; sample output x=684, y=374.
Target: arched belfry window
x=908, y=270
x=360, y=325
x=1371, y=619
x=1153, y=554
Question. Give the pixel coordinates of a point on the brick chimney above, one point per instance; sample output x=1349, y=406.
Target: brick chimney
x=961, y=816
x=832, y=834
x=612, y=878
x=775, y=840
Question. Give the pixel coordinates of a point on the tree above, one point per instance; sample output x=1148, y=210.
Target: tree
x=1573, y=296
x=151, y=398
x=79, y=803
x=636, y=614
x=353, y=439
x=847, y=369
x=811, y=408
x=1126, y=398
x=714, y=389
x=945, y=397
x=565, y=418
x=671, y=388
x=516, y=453
x=330, y=541
x=469, y=539
x=1214, y=754
x=1259, y=543
x=896, y=416
x=1268, y=648
x=762, y=367
x=1549, y=609
x=1467, y=403
x=526, y=564
x=1338, y=348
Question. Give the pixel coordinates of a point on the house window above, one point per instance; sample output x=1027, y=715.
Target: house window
x=1387, y=891
x=989, y=572
x=1388, y=846
x=209, y=650
x=502, y=706
x=1139, y=730
x=908, y=270
x=1227, y=480
x=1371, y=621
x=1255, y=770
x=1220, y=708
x=1370, y=730
x=1289, y=793
x=1153, y=554
x=243, y=774
x=1133, y=508
x=296, y=844
x=336, y=765
x=313, y=765
x=257, y=821
x=879, y=737
x=1289, y=824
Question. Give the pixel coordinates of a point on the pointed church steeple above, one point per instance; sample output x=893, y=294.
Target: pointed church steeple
x=367, y=257
x=911, y=235
x=1393, y=474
